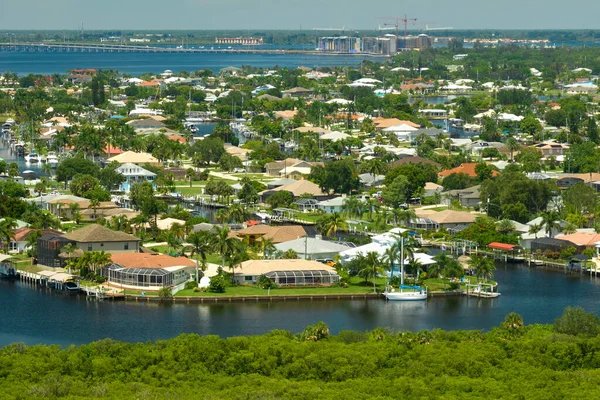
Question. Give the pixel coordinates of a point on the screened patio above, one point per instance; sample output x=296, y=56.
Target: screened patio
x=303, y=278
x=141, y=277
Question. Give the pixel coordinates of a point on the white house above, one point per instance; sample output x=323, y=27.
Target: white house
x=332, y=205
x=134, y=174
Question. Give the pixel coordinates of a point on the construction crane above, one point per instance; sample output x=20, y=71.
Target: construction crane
x=396, y=24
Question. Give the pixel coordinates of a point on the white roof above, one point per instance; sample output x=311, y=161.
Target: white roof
x=334, y=136
x=400, y=128
x=311, y=246
x=339, y=101
x=367, y=80
x=129, y=169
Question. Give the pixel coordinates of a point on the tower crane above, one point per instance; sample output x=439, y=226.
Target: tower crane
x=405, y=20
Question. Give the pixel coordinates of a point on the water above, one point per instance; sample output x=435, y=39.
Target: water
x=34, y=315
x=25, y=63
x=9, y=157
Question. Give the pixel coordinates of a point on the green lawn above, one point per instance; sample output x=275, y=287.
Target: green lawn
x=190, y=191
x=357, y=286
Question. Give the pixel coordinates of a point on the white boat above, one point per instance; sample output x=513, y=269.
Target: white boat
x=480, y=291
x=52, y=160
x=406, y=296
x=32, y=158
x=406, y=293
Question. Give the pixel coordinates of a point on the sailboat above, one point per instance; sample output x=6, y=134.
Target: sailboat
x=416, y=293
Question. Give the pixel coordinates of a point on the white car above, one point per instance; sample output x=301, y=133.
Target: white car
x=239, y=170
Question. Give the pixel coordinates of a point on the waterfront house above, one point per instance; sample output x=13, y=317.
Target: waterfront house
x=287, y=272
x=465, y=168
x=49, y=247
x=96, y=237
x=587, y=240
x=134, y=174
x=143, y=271
x=447, y=219
x=18, y=243
x=332, y=205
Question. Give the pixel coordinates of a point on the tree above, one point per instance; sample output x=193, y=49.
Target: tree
x=395, y=193
x=70, y=167
x=352, y=207
x=337, y=176
x=109, y=177
x=457, y=181
x=575, y=321
x=530, y=125
x=267, y=246
x=330, y=224
x=224, y=244
x=513, y=322
x=484, y=171
x=7, y=232
x=218, y=284
x=290, y=254
x=190, y=173
x=281, y=198
x=530, y=159
x=484, y=267
x=201, y=244
x=582, y=158
x=512, y=145
x=372, y=267
x=550, y=222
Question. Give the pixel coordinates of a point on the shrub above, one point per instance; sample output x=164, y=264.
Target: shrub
x=191, y=285
x=217, y=284
x=575, y=321
x=316, y=332
x=265, y=283
x=165, y=293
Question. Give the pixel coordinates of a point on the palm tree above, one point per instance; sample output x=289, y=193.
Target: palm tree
x=333, y=223
x=534, y=229
x=74, y=208
x=190, y=174
x=290, y=254
x=484, y=267
x=376, y=167
x=94, y=204
x=549, y=220
x=512, y=145
x=352, y=207
x=505, y=226
x=201, y=244
x=31, y=243
x=222, y=215
x=400, y=215
x=371, y=268
x=7, y=232
x=172, y=241
x=178, y=230
x=267, y=246
x=237, y=213
x=224, y=244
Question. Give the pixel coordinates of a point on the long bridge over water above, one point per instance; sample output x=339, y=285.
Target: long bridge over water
x=119, y=48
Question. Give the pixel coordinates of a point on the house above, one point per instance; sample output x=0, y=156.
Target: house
x=287, y=272
x=312, y=248
x=134, y=174
x=383, y=123
x=166, y=224
x=552, y=149
x=469, y=197
x=447, y=219
x=552, y=244
x=96, y=237
x=370, y=180
x=238, y=152
x=276, y=233
x=143, y=271
x=431, y=189
x=332, y=205
x=49, y=247
x=413, y=160
x=146, y=124
x=297, y=92
x=18, y=243
x=274, y=168
x=586, y=240
x=465, y=168
x=297, y=189
x=135, y=158
x=280, y=182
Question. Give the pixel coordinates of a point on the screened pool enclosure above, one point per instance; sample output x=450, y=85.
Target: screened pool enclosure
x=303, y=278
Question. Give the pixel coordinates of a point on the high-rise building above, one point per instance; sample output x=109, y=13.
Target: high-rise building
x=339, y=44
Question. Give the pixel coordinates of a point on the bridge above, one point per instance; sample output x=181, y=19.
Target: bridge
x=119, y=48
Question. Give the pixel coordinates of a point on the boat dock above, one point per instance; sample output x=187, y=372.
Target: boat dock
x=56, y=280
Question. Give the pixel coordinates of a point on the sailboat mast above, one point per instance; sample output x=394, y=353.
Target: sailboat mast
x=401, y=261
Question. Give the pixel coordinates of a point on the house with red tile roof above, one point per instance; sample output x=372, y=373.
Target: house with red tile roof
x=465, y=168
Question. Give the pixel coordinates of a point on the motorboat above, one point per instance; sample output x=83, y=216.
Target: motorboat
x=52, y=160
x=7, y=269
x=32, y=158
x=71, y=287
x=480, y=291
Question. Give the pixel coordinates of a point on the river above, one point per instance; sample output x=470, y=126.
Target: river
x=24, y=63
x=34, y=315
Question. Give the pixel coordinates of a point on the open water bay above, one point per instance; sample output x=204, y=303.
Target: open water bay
x=33, y=315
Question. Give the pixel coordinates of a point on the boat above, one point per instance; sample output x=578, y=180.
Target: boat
x=32, y=158
x=71, y=287
x=406, y=293
x=52, y=160
x=479, y=291
x=7, y=269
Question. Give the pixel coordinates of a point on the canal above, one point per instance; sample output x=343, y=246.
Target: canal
x=33, y=315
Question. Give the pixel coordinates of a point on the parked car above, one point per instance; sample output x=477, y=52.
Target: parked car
x=239, y=170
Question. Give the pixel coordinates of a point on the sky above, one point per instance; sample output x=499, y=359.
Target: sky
x=295, y=14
